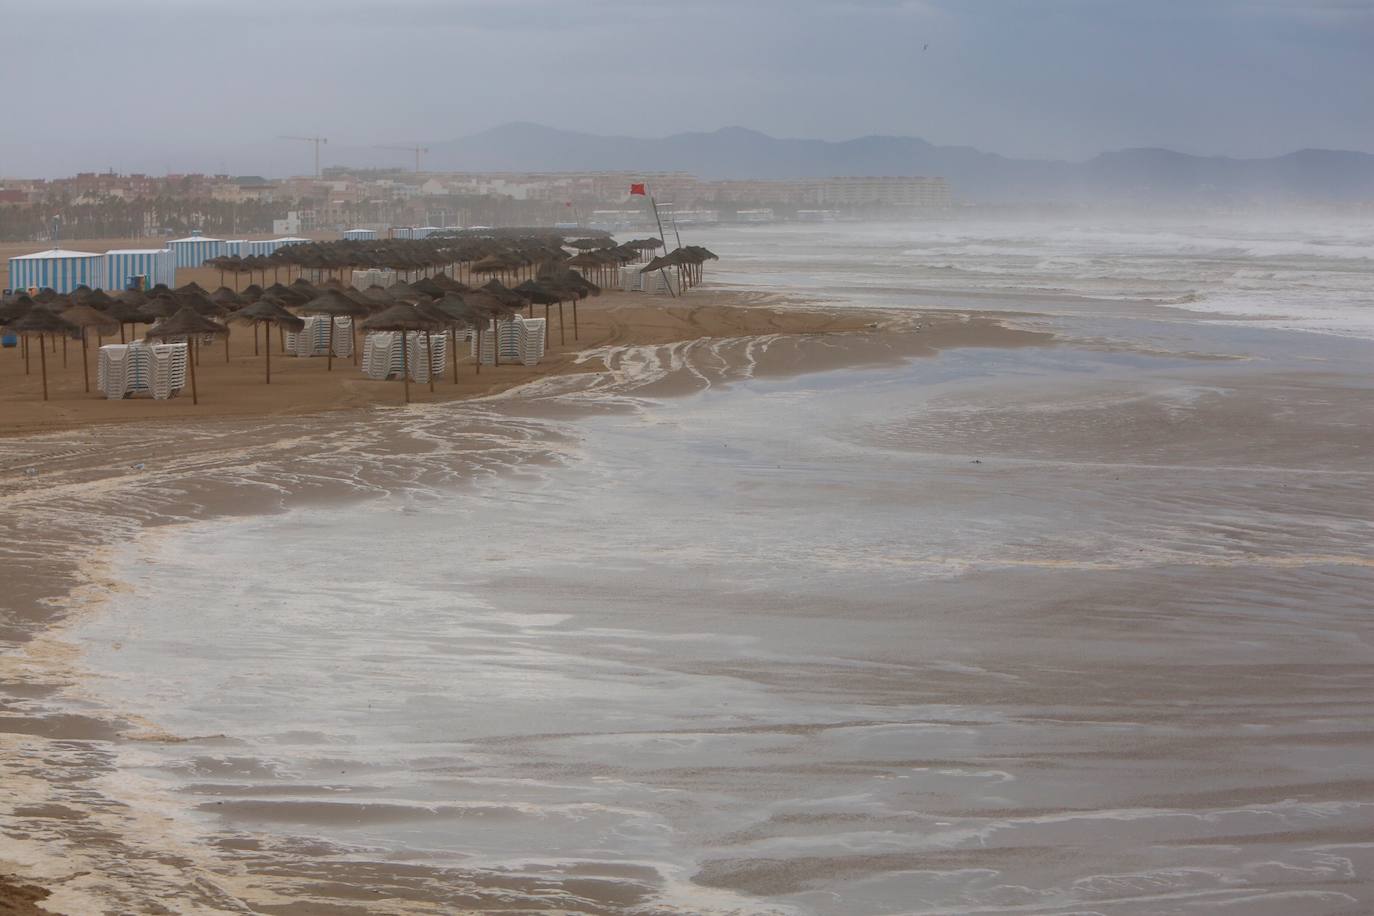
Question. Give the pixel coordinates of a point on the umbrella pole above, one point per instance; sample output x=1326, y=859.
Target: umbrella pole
x=479, y=349
x=255, y=337
x=27, y=358
x=267, y=351
x=353, y=332
x=562, y=337
x=405, y=370
x=121, y=333
x=329, y=355
x=85, y=362
x=226, y=348
x=43, y=365
x=575, y=334
x=64, y=351
x=429, y=359
x=453, y=341
x=195, y=350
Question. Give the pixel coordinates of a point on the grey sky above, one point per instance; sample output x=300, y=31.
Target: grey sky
x=206, y=85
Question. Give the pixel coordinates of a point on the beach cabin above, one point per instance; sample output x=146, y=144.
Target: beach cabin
x=153, y=265
x=237, y=248
x=194, y=250
x=360, y=235
x=58, y=269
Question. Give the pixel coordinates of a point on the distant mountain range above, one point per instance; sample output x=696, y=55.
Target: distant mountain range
x=1135, y=175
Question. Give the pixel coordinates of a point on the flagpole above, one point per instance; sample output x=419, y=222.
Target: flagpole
x=659, y=220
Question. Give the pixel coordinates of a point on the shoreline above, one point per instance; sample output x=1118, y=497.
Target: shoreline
x=77, y=576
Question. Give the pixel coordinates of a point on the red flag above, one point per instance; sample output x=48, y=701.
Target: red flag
x=637, y=189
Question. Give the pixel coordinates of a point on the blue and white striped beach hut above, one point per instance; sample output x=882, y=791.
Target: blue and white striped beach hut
x=403, y=232
x=360, y=235
x=237, y=248
x=194, y=250
x=58, y=269
x=291, y=240
x=159, y=265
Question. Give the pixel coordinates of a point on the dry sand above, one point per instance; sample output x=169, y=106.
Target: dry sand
x=236, y=388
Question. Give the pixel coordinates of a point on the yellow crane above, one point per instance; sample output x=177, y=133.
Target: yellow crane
x=417, y=150
x=315, y=140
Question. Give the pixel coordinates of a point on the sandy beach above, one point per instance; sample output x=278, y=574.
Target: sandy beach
x=754, y=604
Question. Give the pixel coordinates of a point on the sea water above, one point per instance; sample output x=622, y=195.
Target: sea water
x=1057, y=629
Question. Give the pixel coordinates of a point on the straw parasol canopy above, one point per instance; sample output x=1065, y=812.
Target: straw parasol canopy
x=269, y=312
x=42, y=323
x=99, y=299
x=226, y=298
x=192, y=325
x=85, y=317
x=15, y=308
x=402, y=318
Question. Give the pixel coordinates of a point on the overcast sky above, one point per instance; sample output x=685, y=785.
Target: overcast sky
x=207, y=85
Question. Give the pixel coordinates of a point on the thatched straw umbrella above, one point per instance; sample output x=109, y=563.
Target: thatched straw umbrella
x=265, y=311
x=127, y=313
x=42, y=323
x=456, y=311
x=84, y=317
x=536, y=292
x=402, y=318
x=10, y=312
x=192, y=325
x=333, y=304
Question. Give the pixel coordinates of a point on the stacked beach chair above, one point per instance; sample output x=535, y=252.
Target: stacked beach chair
x=631, y=280
x=517, y=340
x=375, y=276
x=313, y=339
x=425, y=354
x=151, y=370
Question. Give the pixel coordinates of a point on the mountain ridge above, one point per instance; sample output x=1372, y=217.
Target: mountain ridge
x=736, y=152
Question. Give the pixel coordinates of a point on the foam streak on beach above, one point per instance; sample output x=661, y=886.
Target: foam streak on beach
x=1026, y=600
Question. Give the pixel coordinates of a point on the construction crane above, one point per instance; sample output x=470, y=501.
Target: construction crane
x=417, y=150
x=315, y=140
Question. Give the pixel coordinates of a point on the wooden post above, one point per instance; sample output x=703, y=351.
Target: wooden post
x=267, y=350
x=43, y=364
x=64, y=351
x=85, y=362
x=329, y=355
x=226, y=348
x=429, y=358
x=575, y=334
x=562, y=337
x=405, y=370
x=194, y=346
x=453, y=342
